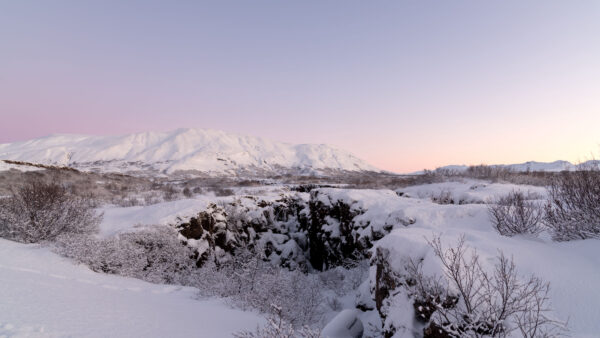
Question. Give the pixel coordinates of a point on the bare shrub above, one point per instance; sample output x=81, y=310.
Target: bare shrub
x=443, y=197
x=250, y=281
x=514, y=214
x=155, y=255
x=151, y=198
x=489, y=303
x=169, y=192
x=346, y=277
x=573, y=209
x=187, y=192
x=126, y=202
x=39, y=211
x=483, y=171
x=277, y=327
x=221, y=191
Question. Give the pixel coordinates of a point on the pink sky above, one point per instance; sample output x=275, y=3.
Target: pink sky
x=405, y=86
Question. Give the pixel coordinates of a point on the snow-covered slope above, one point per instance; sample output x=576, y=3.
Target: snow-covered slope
x=571, y=268
x=209, y=151
x=44, y=295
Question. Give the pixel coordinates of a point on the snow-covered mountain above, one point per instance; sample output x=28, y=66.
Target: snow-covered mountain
x=555, y=166
x=208, y=151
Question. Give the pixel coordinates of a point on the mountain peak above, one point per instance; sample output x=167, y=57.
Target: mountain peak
x=203, y=150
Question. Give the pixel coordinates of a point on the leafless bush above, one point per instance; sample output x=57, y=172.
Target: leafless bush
x=151, y=198
x=247, y=280
x=126, y=202
x=514, y=214
x=187, y=192
x=169, y=192
x=154, y=255
x=490, y=303
x=573, y=209
x=277, y=327
x=221, y=191
x=345, y=278
x=443, y=197
x=483, y=171
x=39, y=211
x=250, y=281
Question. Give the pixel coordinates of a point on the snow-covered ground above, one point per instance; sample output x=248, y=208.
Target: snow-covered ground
x=469, y=191
x=119, y=219
x=44, y=295
x=572, y=268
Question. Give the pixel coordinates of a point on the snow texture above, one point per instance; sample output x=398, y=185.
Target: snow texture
x=44, y=295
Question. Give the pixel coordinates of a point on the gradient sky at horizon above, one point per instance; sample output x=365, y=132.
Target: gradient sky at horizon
x=405, y=85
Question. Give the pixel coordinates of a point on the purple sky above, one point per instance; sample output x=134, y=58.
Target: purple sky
x=405, y=85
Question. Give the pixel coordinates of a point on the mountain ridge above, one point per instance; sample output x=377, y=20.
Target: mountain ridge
x=554, y=166
x=185, y=149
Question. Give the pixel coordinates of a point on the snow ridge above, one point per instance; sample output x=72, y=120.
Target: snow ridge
x=555, y=166
x=210, y=151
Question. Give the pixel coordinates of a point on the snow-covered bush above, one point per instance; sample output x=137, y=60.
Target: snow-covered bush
x=476, y=302
x=169, y=192
x=573, y=210
x=251, y=281
x=39, y=211
x=345, y=278
x=443, y=197
x=247, y=279
x=277, y=327
x=515, y=214
x=155, y=255
x=483, y=171
x=451, y=292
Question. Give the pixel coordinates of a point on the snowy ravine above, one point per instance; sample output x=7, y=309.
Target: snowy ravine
x=45, y=295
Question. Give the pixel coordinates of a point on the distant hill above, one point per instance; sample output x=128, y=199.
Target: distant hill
x=207, y=151
x=555, y=166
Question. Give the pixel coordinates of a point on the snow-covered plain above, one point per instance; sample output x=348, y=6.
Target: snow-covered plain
x=44, y=295
x=469, y=191
x=209, y=151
